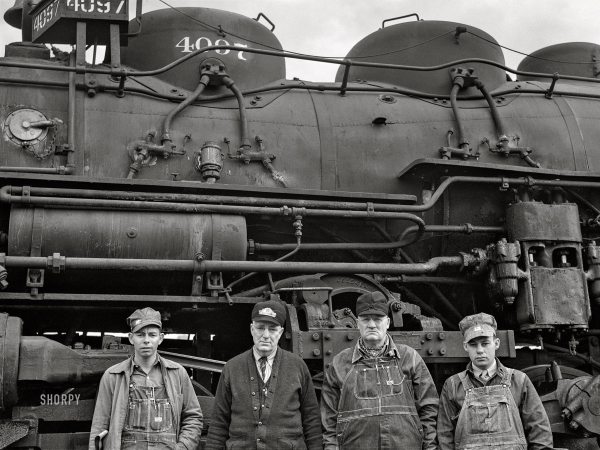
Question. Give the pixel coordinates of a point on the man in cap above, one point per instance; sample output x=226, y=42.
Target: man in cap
x=378, y=394
x=489, y=405
x=265, y=399
x=146, y=402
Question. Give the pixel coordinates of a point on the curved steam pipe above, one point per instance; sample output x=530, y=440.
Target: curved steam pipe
x=184, y=104
x=462, y=140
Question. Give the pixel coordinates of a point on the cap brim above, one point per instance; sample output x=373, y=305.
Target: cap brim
x=372, y=312
x=267, y=319
x=145, y=323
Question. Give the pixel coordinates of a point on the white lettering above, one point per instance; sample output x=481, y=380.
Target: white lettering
x=59, y=399
x=241, y=53
x=57, y=4
x=77, y=399
x=76, y=5
x=222, y=42
x=185, y=43
x=120, y=6
x=42, y=399
x=199, y=42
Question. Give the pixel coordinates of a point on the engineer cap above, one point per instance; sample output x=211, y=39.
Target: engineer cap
x=142, y=318
x=269, y=311
x=480, y=324
x=372, y=303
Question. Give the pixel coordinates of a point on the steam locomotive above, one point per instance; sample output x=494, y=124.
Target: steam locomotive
x=184, y=172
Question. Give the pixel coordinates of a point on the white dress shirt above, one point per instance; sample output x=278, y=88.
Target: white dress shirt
x=269, y=366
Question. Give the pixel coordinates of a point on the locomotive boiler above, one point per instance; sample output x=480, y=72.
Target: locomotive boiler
x=186, y=173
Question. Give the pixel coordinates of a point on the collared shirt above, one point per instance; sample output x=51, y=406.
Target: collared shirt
x=269, y=366
x=149, y=385
x=491, y=371
x=533, y=415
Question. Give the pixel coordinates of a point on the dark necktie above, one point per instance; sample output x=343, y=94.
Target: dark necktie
x=263, y=366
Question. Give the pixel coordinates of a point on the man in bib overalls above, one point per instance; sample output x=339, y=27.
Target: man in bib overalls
x=489, y=406
x=146, y=402
x=378, y=395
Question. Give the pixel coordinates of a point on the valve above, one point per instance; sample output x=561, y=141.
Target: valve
x=209, y=161
x=505, y=273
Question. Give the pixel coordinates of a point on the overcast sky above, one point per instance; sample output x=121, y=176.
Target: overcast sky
x=332, y=27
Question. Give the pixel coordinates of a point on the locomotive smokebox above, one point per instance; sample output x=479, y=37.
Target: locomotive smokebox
x=169, y=34
x=425, y=43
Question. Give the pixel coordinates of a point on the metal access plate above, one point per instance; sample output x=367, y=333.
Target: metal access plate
x=54, y=21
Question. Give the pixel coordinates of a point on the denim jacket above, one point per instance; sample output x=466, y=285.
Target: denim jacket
x=531, y=410
x=112, y=401
x=388, y=402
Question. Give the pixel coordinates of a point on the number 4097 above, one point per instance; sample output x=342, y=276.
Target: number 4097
x=206, y=42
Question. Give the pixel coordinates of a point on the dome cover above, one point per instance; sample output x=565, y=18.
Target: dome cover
x=426, y=43
x=560, y=58
x=168, y=35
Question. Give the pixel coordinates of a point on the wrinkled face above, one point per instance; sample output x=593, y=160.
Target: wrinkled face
x=482, y=351
x=266, y=335
x=373, y=329
x=146, y=341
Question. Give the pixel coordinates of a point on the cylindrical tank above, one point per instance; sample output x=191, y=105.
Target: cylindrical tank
x=580, y=59
x=126, y=234
x=169, y=34
x=425, y=43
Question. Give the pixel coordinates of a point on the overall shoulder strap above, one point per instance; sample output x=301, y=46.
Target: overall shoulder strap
x=465, y=380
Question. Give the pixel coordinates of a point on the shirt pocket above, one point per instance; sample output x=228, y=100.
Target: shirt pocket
x=489, y=416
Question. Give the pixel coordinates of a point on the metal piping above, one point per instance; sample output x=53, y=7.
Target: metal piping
x=462, y=140
x=7, y=197
x=184, y=104
x=243, y=118
x=218, y=199
x=412, y=298
x=36, y=262
x=70, y=147
x=463, y=228
x=293, y=56
x=490, y=101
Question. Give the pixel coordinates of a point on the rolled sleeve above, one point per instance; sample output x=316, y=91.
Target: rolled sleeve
x=330, y=399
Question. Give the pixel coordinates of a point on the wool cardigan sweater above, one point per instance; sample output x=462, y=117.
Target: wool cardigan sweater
x=290, y=418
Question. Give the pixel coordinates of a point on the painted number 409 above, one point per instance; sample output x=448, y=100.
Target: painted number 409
x=189, y=47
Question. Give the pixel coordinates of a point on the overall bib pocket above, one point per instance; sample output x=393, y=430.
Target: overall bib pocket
x=490, y=415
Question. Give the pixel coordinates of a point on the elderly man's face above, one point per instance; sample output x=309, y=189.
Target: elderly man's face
x=266, y=335
x=373, y=329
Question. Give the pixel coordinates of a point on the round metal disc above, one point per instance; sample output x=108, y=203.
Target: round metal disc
x=18, y=129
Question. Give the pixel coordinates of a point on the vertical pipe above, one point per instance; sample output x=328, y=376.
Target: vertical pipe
x=72, y=115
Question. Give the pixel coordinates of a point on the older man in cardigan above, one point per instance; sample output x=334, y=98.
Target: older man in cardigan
x=265, y=399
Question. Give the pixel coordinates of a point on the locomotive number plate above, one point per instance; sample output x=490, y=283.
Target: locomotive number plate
x=62, y=14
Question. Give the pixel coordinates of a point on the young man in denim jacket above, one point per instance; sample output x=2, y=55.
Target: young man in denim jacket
x=146, y=402
x=489, y=405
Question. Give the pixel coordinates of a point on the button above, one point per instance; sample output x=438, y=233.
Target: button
x=254, y=393
x=262, y=406
x=255, y=408
x=259, y=423
x=252, y=378
x=258, y=440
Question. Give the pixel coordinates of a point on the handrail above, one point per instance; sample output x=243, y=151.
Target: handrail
x=282, y=54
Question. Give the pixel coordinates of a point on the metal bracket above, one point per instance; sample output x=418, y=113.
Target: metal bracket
x=214, y=283
x=197, y=275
